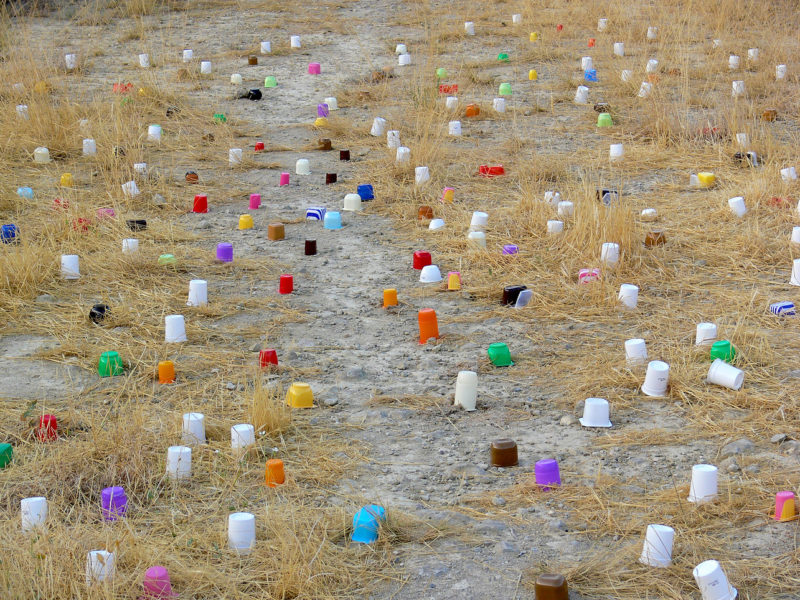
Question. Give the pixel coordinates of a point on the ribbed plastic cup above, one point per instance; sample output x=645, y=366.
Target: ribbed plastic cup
x=33, y=512
x=114, y=503
x=241, y=532
x=194, y=429
x=547, y=473
x=466, y=390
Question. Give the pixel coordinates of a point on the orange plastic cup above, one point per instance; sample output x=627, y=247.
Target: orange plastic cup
x=273, y=474
x=389, y=297
x=166, y=371
x=428, y=325
x=472, y=110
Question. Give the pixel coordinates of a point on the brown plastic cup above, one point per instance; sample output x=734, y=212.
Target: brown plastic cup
x=324, y=144
x=276, y=231
x=425, y=212
x=655, y=237
x=252, y=60
x=551, y=587
x=504, y=453
x=311, y=247
x=770, y=114
x=191, y=177
x=330, y=178
x=344, y=154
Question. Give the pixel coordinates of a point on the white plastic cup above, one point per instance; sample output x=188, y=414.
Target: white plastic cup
x=703, y=488
x=628, y=295
x=716, y=43
x=554, y=226
x=194, y=429
x=466, y=390
x=780, y=72
x=616, y=151
x=657, y=551
x=602, y=24
x=524, y=298
x=140, y=168
x=656, y=379
x=587, y=63
x=451, y=103
x=516, y=19
x=795, y=235
x=378, y=127
x=436, y=224
x=479, y=238
x=130, y=245
x=649, y=214
x=332, y=102
x=469, y=28
x=733, y=62
x=454, y=128
x=430, y=274
x=33, y=512
x=743, y=140
x=266, y=47
x=652, y=33
x=752, y=54
x=22, y=111
x=100, y=566
x=713, y=582
x=400, y=49
x=70, y=266
x=737, y=206
x=788, y=174
x=595, y=413
x=242, y=436
x=499, y=105
x=179, y=462
x=235, y=156
x=71, y=61
x=393, y=138
x=294, y=41
x=565, y=208
x=352, y=202
x=706, y=334
x=726, y=375
x=645, y=89
x=609, y=254
x=404, y=59
x=130, y=189
x=188, y=54
x=551, y=197
x=737, y=89
x=421, y=175
x=582, y=95
x=174, y=329
x=652, y=66
x=236, y=79
x=635, y=351
x=241, y=532
x=479, y=221
x=302, y=167
x=403, y=155
x=41, y=155
x=198, y=293
x=626, y=75
x=89, y=147
x=619, y=48
x=205, y=67
x=144, y=60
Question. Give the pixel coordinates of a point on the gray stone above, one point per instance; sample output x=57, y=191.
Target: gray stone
x=255, y=347
x=491, y=526
x=730, y=465
x=356, y=372
x=505, y=547
x=45, y=299
x=742, y=446
x=778, y=438
x=568, y=420
x=331, y=401
x=230, y=386
x=790, y=447
x=558, y=525
x=499, y=501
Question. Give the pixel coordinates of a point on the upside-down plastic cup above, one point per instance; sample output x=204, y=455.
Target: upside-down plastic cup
x=479, y=221
x=352, y=202
x=144, y=60
x=635, y=351
x=403, y=154
x=89, y=147
x=587, y=63
x=704, y=484
x=783, y=309
x=166, y=372
x=436, y=224
x=286, y=284
x=713, y=582
x=499, y=105
x=466, y=390
x=235, y=156
x=430, y=274
x=314, y=68
x=421, y=175
x=523, y=299
x=454, y=128
x=241, y=532
x=478, y=238
x=154, y=133
x=110, y=364
x=332, y=220
x=795, y=278
x=469, y=28
x=270, y=81
x=302, y=167
x=70, y=267
x=200, y=204
x=706, y=334
x=205, y=67
x=581, y=95
x=555, y=226
x=619, y=48
x=656, y=379
x=737, y=206
x=453, y=280
x=628, y=295
x=393, y=139
x=421, y=259
x=225, y=252
x=245, y=222
x=726, y=375
x=723, y=350
x=194, y=429
x=242, y=436
x=511, y=293
x=616, y=151
x=499, y=355
x=389, y=297
x=428, y=325
x=255, y=201
x=510, y=249
x=114, y=503
x=274, y=474
x=100, y=566
x=789, y=174
x=547, y=474
x=400, y=49
x=378, y=127
x=179, y=462
x=657, y=551
x=156, y=584
x=294, y=41
x=188, y=54
x=47, y=429
x=785, y=506
x=41, y=155
x=310, y=248
x=595, y=413
x=451, y=102
x=366, y=523
x=174, y=329
x=404, y=59
x=33, y=512
x=733, y=62
x=609, y=254
x=737, y=88
x=267, y=358
x=300, y=395
x=551, y=586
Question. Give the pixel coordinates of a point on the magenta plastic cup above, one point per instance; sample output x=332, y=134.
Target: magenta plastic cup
x=114, y=503
x=547, y=474
x=157, y=584
x=225, y=252
x=284, y=179
x=255, y=201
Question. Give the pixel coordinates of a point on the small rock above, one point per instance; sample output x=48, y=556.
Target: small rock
x=230, y=386
x=790, y=447
x=45, y=298
x=499, y=501
x=356, y=372
x=778, y=438
x=508, y=547
x=256, y=347
x=331, y=401
x=558, y=525
x=568, y=420
x=742, y=446
x=730, y=465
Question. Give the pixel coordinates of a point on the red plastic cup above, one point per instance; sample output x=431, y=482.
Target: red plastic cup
x=200, y=204
x=255, y=201
x=259, y=146
x=422, y=259
x=591, y=42
x=284, y=179
x=451, y=89
x=48, y=428
x=267, y=357
x=286, y=285
x=559, y=27
x=81, y=224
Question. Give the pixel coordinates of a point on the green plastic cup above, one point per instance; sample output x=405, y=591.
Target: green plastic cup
x=500, y=355
x=220, y=118
x=503, y=57
x=441, y=73
x=505, y=89
x=270, y=82
x=110, y=364
x=723, y=350
x=604, y=120
x=166, y=259
x=6, y=454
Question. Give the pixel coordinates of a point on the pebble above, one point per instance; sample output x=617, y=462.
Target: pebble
x=742, y=446
x=255, y=347
x=356, y=372
x=778, y=438
x=331, y=401
x=499, y=501
x=506, y=547
x=45, y=298
x=230, y=386
x=568, y=420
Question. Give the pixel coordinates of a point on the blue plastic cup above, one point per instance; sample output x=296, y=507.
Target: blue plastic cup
x=782, y=309
x=365, y=191
x=25, y=192
x=9, y=233
x=366, y=523
x=590, y=74
x=333, y=220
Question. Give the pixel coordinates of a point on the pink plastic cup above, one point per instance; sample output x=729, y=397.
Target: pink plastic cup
x=255, y=201
x=785, y=508
x=284, y=179
x=314, y=69
x=157, y=584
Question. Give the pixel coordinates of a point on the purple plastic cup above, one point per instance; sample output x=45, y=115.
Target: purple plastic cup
x=106, y=213
x=510, y=249
x=225, y=252
x=157, y=584
x=323, y=110
x=547, y=474
x=114, y=503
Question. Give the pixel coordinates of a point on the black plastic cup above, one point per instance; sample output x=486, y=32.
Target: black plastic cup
x=511, y=293
x=311, y=247
x=344, y=154
x=137, y=224
x=99, y=312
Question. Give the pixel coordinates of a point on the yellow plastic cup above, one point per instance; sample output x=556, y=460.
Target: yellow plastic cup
x=67, y=180
x=320, y=122
x=300, y=396
x=389, y=297
x=706, y=179
x=533, y=75
x=454, y=280
x=534, y=36
x=245, y=222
